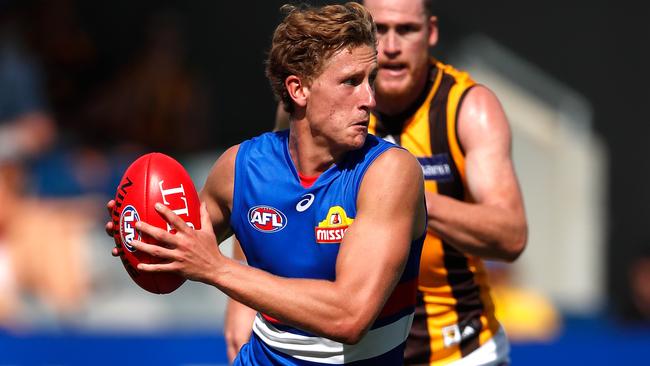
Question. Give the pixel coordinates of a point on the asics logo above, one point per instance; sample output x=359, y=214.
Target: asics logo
x=305, y=202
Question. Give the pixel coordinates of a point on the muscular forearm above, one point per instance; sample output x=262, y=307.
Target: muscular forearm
x=322, y=307
x=482, y=230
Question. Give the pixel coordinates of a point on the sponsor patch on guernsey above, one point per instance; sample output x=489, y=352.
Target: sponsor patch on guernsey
x=333, y=228
x=436, y=167
x=266, y=219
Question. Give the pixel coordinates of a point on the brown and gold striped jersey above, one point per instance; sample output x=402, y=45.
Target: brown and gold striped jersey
x=455, y=314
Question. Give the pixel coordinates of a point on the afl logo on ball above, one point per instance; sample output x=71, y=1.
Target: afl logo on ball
x=266, y=219
x=128, y=233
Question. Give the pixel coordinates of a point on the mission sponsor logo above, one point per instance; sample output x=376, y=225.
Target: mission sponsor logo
x=436, y=167
x=128, y=231
x=266, y=219
x=333, y=228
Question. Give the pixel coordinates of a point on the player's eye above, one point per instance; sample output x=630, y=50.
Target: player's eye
x=407, y=29
x=353, y=81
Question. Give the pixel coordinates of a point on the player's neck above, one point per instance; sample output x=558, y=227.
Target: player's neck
x=310, y=155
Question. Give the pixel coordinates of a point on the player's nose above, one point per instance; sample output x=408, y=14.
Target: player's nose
x=391, y=44
x=367, y=96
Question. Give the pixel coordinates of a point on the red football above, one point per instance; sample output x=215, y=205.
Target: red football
x=152, y=178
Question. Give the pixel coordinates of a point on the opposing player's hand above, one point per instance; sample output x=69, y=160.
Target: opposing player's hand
x=110, y=229
x=191, y=253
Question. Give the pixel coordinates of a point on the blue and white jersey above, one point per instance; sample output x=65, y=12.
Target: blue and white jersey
x=292, y=231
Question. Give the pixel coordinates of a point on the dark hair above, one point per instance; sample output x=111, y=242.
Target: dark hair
x=429, y=7
x=308, y=36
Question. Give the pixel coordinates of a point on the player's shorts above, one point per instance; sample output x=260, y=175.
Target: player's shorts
x=495, y=352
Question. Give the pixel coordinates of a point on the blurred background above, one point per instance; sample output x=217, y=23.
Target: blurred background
x=86, y=87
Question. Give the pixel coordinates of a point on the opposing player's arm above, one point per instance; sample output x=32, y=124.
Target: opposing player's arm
x=217, y=192
x=493, y=224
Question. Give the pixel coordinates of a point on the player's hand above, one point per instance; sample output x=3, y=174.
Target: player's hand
x=110, y=229
x=237, y=328
x=194, y=254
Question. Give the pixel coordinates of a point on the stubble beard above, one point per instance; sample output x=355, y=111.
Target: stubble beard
x=395, y=99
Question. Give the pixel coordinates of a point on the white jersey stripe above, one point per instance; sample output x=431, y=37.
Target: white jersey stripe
x=493, y=353
x=322, y=350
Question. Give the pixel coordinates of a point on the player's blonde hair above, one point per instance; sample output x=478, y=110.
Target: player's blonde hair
x=308, y=36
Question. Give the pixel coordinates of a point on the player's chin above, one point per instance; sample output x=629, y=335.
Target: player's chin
x=358, y=137
x=392, y=89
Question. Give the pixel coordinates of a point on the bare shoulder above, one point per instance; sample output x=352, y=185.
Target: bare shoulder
x=398, y=159
x=396, y=170
x=482, y=118
x=218, y=190
x=219, y=183
x=481, y=96
x=227, y=160
x=394, y=183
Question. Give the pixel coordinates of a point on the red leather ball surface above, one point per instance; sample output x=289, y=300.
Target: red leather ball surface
x=150, y=179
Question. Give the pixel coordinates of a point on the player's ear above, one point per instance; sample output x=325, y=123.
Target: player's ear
x=297, y=89
x=433, y=31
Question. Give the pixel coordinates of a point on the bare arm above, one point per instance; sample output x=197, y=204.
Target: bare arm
x=217, y=193
x=369, y=264
x=493, y=225
x=239, y=318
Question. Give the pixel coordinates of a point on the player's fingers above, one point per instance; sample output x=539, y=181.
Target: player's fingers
x=206, y=223
x=152, y=249
x=110, y=206
x=175, y=220
x=116, y=252
x=161, y=267
x=110, y=229
x=155, y=232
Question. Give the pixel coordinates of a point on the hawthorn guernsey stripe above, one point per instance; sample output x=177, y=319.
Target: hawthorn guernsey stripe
x=454, y=315
x=295, y=231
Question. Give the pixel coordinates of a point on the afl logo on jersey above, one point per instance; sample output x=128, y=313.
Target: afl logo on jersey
x=127, y=227
x=266, y=219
